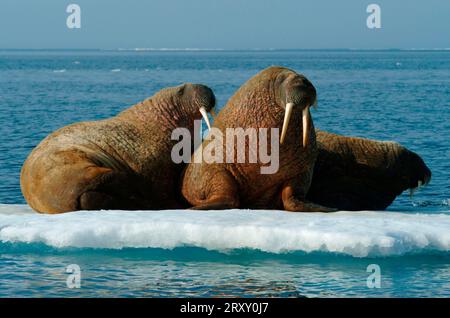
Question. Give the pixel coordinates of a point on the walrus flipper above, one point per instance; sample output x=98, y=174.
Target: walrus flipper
x=363, y=174
x=113, y=190
x=293, y=198
x=222, y=194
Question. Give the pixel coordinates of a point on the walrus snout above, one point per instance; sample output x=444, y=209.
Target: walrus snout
x=201, y=94
x=415, y=169
x=410, y=171
x=297, y=89
x=298, y=92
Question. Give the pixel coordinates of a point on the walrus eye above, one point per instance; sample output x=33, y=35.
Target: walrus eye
x=205, y=116
x=181, y=90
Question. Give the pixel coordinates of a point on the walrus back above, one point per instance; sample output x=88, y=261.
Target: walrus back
x=66, y=163
x=361, y=174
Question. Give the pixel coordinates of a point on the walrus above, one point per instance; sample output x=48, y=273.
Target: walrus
x=123, y=162
x=276, y=97
x=362, y=174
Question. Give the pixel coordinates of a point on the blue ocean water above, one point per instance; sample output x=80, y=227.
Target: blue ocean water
x=388, y=95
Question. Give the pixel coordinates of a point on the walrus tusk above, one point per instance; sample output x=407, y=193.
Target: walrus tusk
x=205, y=116
x=287, y=117
x=305, y=120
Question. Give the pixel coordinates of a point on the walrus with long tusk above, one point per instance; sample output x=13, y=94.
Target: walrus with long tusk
x=123, y=162
x=276, y=97
x=362, y=174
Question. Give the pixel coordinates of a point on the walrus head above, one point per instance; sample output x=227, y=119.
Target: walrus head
x=411, y=170
x=296, y=93
x=196, y=99
x=186, y=103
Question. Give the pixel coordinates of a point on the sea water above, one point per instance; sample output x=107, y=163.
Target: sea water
x=387, y=95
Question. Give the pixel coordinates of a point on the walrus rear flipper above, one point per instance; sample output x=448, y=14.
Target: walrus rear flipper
x=112, y=190
x=93, y=200
x=362, y=174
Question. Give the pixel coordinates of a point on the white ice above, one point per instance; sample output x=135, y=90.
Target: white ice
x=358, y=234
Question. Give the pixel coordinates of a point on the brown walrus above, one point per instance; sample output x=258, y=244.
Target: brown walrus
x=362, y=174
x=123, y=162
x=273, y=98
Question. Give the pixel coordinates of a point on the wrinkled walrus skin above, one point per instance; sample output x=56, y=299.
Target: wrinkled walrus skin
x=122, y=162
x=261, y=102
x=361, y=174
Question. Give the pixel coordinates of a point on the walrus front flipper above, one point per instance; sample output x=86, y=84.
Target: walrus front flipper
x=292, y=202
x=218, y=204
x=362, y=174
x=222, y=193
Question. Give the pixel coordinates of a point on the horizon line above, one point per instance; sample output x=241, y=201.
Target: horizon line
x=166, y=49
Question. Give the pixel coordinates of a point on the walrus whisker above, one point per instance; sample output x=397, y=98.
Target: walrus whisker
x=287, y=117
x=205, y=116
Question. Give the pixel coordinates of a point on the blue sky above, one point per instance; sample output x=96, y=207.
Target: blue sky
x=227, y=24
